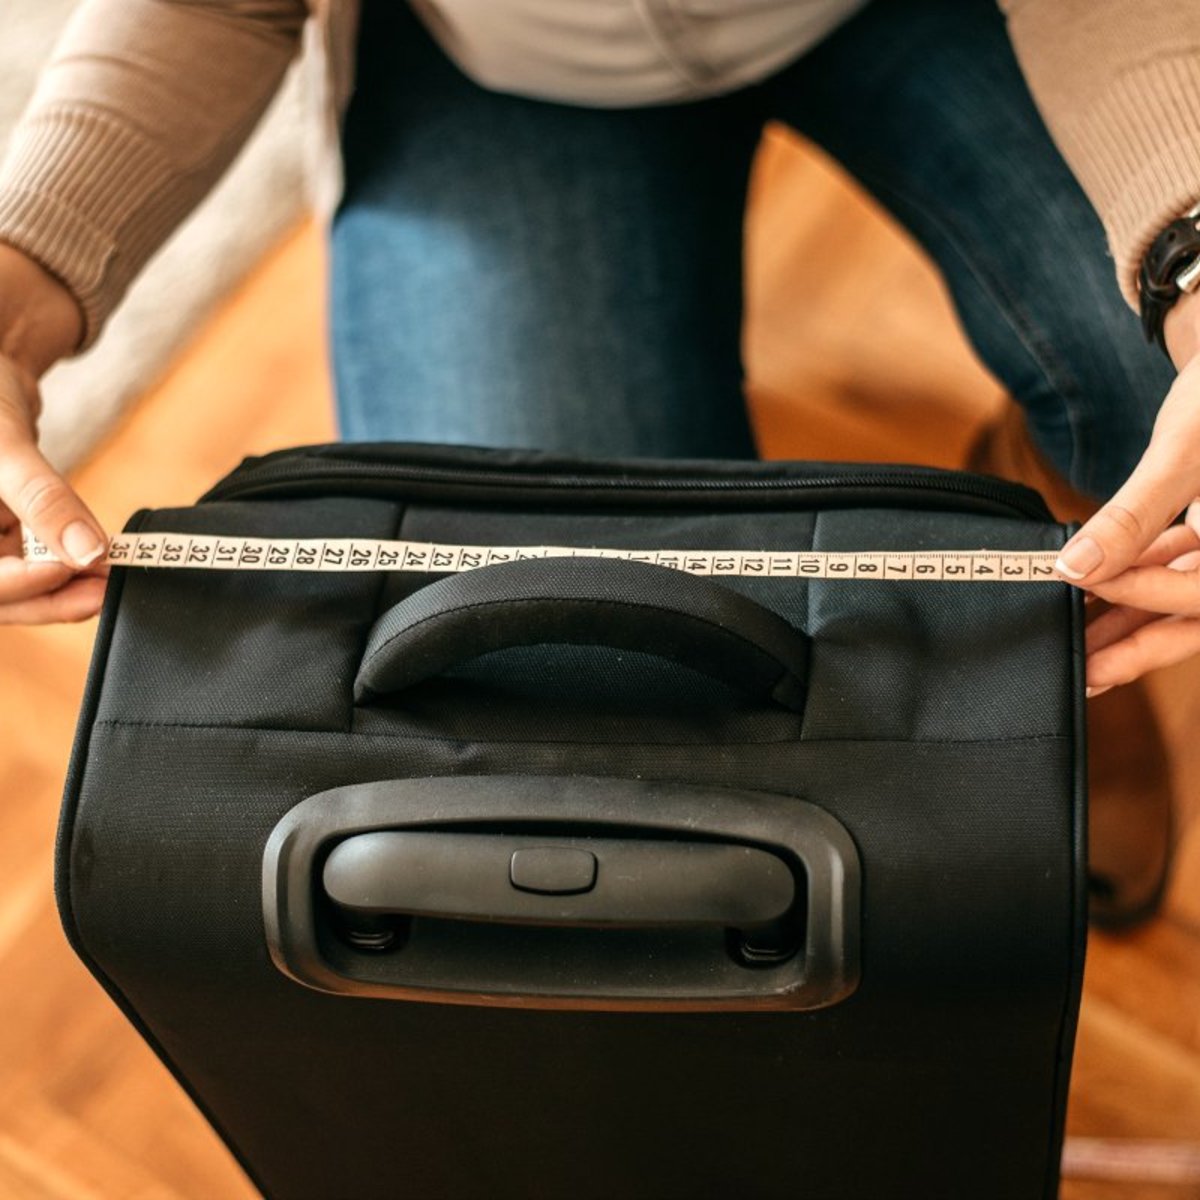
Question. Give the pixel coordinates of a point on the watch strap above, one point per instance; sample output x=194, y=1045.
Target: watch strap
x=1171, y=260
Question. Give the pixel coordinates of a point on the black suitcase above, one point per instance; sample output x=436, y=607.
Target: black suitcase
x=591, y=877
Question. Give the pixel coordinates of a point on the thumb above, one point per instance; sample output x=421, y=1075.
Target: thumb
x=35, y=492
x=43, y=501
x=1115, y=537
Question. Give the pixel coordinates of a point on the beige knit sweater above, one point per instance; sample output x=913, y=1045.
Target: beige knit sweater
x=146, y=102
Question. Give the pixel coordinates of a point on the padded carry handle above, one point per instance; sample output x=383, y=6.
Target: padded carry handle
x=586, y=601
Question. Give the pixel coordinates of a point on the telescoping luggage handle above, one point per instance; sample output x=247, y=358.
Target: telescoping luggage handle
x=564, y=892
x=547, y=881
x=593, y=601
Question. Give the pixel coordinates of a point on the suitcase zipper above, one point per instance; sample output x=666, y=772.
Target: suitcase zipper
x=295, y=473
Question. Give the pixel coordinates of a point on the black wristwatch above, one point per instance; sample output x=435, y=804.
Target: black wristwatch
x=1171, y=266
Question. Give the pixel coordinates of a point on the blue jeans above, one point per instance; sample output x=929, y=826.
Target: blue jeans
x=511, y=272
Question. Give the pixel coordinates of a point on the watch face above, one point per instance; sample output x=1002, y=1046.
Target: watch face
x=1188, y=280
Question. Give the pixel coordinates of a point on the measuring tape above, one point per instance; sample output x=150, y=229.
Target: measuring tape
x=210, y=552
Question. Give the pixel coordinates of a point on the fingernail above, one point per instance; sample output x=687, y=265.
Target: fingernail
x=82, y=543
x=1079, y=558
x=1098, y=691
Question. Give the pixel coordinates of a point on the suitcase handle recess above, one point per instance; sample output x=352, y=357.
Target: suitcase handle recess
x=586, y=601
x=564, y=891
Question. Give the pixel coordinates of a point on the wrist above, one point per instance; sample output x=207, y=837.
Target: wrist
x=40, y=320
x=1181, y=329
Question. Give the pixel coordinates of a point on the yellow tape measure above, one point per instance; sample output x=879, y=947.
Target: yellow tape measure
x=211, y=552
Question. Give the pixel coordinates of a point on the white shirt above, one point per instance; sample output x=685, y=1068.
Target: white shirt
x=615, y=53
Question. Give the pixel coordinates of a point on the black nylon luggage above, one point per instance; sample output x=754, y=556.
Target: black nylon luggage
x=587, y=878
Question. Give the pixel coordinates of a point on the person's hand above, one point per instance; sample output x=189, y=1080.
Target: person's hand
x=1130, y=555
x=39, y=323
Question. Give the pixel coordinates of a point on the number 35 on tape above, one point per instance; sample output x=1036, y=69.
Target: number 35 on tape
x=210, y=552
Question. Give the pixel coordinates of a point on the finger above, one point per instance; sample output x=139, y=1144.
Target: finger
x=42, y=500
x=1155, y=589
x=1186, y=562
x=20, y=580
x=1125, y=528
x=76, y=600
x=1115, y=624
x=1158, y=644
x=1170, y=544
x=1176, y=546
x=1164, y=482
x=1105, y=594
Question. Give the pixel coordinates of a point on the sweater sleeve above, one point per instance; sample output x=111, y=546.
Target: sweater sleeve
x=142, y=107
x=1118, y=84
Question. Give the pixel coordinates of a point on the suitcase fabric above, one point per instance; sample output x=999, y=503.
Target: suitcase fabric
x=911, y=752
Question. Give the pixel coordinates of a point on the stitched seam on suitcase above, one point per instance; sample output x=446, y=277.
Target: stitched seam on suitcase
x=376, y=606
x=402, y=737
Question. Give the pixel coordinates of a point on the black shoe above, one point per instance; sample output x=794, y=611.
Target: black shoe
x=1130, y=826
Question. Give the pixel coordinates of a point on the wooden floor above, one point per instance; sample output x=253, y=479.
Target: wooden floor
x=837, y=369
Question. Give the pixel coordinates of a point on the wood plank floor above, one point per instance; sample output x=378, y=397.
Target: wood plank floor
x=836, y=370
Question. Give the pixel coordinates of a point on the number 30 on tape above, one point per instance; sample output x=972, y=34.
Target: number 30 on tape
x=216, y=553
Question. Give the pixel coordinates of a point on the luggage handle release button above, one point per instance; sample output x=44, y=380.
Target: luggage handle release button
x=553, y=870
